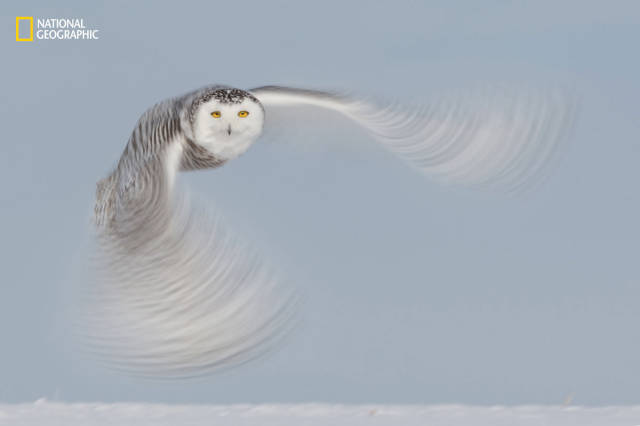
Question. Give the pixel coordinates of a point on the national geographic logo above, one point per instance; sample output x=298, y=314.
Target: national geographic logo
x=27, y=21
x=54, y=29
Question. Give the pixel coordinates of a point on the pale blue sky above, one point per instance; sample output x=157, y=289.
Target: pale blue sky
x=415, y=292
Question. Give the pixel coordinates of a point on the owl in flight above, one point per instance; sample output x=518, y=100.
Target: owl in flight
x=176, y=295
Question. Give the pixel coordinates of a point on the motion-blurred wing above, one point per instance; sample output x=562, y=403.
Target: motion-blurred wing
x=181, y=296
x=176, y=294
x=490, y=137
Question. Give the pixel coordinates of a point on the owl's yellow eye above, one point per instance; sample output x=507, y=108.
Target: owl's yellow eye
x=216, y=114
x=243, y=114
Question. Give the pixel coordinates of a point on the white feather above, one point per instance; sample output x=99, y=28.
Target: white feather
x=490, y=137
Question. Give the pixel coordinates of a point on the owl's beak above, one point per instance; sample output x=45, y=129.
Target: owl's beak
x=229, y=129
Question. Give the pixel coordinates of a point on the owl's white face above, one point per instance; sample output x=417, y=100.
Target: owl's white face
x=227, y=129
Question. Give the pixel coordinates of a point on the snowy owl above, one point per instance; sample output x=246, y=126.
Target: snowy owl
x=177, y=295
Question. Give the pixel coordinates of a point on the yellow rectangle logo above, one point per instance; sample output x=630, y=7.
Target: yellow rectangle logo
x=24, y=18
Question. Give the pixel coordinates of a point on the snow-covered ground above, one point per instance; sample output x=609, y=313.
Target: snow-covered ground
x=88, y=414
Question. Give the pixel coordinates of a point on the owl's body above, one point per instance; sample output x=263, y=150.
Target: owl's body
x=165, y=138
x=177, y=295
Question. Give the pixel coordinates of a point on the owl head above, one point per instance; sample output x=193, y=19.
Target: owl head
x=225, y=121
